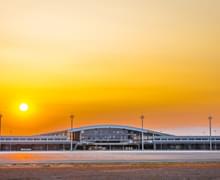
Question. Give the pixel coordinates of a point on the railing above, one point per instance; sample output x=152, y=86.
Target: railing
x=33, y=139
x=103, y=140
x=183, y=140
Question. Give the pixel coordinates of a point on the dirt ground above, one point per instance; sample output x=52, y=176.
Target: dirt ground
x=150, y=171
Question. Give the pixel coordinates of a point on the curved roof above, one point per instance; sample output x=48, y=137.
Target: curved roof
x=117, y=127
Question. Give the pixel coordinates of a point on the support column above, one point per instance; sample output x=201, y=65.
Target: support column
x=142, y=132
x=210, y=132
x=0, y=131
x=71, y=134
x=154, y=145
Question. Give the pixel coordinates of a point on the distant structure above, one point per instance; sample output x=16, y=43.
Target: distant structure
x=108, y=137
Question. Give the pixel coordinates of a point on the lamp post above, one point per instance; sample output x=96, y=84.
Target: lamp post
x=210, y=132
x=142, y=132
x=0, y=131
x=71, y=134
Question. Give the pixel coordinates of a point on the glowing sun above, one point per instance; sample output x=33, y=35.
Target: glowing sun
x=23, y=107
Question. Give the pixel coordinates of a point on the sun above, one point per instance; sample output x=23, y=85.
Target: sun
x=23, y=107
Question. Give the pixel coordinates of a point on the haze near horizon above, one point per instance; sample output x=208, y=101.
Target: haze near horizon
x=109, y=61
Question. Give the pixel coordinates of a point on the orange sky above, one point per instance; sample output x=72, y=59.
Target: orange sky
x=108, y=61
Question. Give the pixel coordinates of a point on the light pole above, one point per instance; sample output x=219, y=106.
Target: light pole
x=0, y=132
x=210, y=132
x=142, y=132
x=71, y=134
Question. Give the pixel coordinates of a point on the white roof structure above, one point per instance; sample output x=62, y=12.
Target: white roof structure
x=118, y=127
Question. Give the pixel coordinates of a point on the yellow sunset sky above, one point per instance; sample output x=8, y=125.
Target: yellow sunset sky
x=108, y=61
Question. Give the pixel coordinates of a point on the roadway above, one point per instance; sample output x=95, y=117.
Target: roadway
x=108, y=157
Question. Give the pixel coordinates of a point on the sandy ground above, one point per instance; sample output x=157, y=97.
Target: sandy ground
x=175, y=171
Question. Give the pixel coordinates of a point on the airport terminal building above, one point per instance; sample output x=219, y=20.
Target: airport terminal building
x=108, y=137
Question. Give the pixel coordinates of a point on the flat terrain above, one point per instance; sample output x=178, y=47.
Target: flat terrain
x=103, y=165
x=115, y=171
x=108, y=157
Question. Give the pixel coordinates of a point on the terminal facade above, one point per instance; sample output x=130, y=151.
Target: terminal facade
x=108, y=137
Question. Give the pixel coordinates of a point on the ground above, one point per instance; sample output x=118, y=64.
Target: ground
x=101, y=165
x=175, y=171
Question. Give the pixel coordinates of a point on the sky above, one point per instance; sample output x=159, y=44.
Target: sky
x=108, y=62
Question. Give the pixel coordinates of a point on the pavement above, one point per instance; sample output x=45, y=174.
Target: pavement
x=107, y=157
